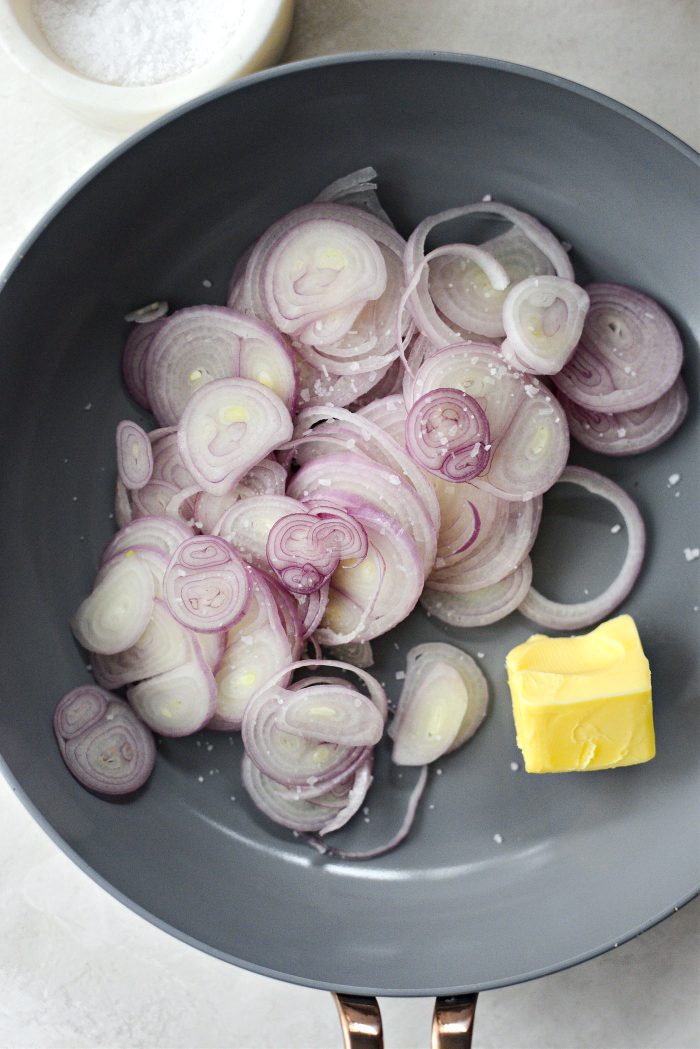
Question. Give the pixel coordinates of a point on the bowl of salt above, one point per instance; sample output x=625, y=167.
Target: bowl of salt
x=122, y=63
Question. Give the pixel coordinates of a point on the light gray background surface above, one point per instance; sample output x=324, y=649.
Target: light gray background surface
x=79, y=970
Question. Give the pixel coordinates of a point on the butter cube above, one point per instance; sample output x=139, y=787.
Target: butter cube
x=582, y=703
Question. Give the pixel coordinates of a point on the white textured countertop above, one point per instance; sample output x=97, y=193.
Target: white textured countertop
x=77, y=969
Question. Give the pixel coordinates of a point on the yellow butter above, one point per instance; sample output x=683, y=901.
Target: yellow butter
x=582, y=703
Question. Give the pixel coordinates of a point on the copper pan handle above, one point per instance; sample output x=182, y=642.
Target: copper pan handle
x=361, y=1021
x=453, y=1022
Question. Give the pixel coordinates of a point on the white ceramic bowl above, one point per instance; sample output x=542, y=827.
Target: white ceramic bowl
x=258, y=42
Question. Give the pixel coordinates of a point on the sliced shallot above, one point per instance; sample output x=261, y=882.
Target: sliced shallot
x=289, y=809
x=557, y=616
x=118, y=610
x=246, y=525
x=134, y=455
x=305, y=549
x=374, y=689
x=287, y=757
x=443, y=701
x=164, y=645
x=203, y=343
x=463, y=293
x=163, y=533
x=332, y=714
x=375, y=486
x=226, y=428
x=630, y=352
x=480, y=607
x=320, y=273
x=528, y=430
x=178, y=702
x=420, y=303
x=367, y=599
x=630, y=432
x=543, y=318
x=102, y=741
x=257, y=649
x=380, y=850
x=134, y=359
x=206, y=586
x=447, y=433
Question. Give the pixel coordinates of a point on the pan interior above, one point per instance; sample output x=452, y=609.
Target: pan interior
x=584, y=861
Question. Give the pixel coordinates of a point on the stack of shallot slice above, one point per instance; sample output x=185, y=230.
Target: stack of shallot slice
x=362, y=426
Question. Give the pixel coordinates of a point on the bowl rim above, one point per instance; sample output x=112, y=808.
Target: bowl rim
x=270, y=74
x=343, y=58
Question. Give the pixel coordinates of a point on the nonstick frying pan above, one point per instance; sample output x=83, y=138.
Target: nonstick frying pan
x=584, y=861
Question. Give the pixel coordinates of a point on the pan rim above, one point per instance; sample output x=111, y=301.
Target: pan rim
x=344, y=58
x=304, y=981
x=291, y=69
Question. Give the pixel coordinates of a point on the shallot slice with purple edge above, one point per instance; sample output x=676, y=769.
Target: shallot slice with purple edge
x=367, y=599
x=289, y=758
x=375, y=486
x=629, y=432
x=506, y=534
x=324, y=810
x=466, y=299
x=447, y=433
x=320, y=273
x=480, y=607
x=178, y=702
x=528, y=428
x=257, y=648
x=134, y=455
x=102, y=741
x=228, y=427
x=246, y=525
x=629, y=354
x=118, y=610
x=331, y=715
x=543, y=318
x=162, y=533
x=164, y=645
x=206, y=586
x=379, y=850
x=557, y=616
x=443, y=702
x=134, y=358
x=201, y=344
x=308, y=760
x=420, y=302
x=304, y=550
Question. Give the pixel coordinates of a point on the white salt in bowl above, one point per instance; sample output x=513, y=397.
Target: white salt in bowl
x=257, y=42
